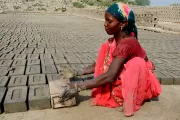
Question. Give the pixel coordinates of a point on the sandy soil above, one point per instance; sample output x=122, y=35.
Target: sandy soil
x=167, y=108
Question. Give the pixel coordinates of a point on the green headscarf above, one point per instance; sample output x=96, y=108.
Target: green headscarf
x=123, y=13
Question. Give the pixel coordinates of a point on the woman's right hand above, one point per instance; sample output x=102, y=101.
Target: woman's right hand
x=69, y=91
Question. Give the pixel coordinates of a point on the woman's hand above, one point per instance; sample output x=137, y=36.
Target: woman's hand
x=70, y=90
x=69, y=73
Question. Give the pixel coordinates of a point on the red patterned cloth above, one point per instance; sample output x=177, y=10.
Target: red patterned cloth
x=129, y=48
x=136, y=83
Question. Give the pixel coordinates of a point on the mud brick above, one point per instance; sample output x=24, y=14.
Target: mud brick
x=89, y=64
x=33, y=62
x=33, y=56
x=34, y=69
x=48, y=69
x=176, y=76
x=14, y=45
x=176, y=79
x=21, y=62
x=94, y=59
x=51, y=77
x=37, y=79
x=39, y=97
x=47, y=61
x=57, y=55
x=81, y=49
x=15, y=100
x=20, y=56
x=45, y=56
x=5, y=63
x=40, y=45
x=1, y=47
x=71, y=49
x=60, y=61
x=72, y=58
x=2, y=95
x=18, y=81
x=93, y=56
x=24, y=45
x=60, y=50
x=158, y=61
x=7, y=50
x=3, y=71
x=86, y=60
x=16, y=51
x=28, y=50
x=58, y=90
x=60, y=67
x=39, y=50
x=77, y=66
x=49, y=50
x=50, y=45
x=165, y=78
x=18, y=70
x=4, y=81
x=32, y=45
x=7, y=56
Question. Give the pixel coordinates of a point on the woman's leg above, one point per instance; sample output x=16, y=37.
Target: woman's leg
x=134, y=77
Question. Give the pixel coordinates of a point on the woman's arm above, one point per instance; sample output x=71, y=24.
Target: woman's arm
x=105, y=78
x=72, y=89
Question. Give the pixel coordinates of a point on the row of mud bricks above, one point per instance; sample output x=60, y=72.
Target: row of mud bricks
x=22, y=93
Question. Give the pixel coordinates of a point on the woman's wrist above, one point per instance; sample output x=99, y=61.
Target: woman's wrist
x=80, y=86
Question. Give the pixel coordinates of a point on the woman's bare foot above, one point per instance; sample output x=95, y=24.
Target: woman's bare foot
x=130, y=115
x=128, y=109
x=121, y=109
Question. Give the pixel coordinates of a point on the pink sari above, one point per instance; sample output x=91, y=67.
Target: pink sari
x=136, y=83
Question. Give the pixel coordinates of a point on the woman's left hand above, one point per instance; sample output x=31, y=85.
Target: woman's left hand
x=70, y=91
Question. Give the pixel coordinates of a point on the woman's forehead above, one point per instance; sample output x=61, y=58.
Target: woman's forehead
x=108, y=15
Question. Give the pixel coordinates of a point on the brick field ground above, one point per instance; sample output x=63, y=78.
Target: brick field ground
x=34, y=47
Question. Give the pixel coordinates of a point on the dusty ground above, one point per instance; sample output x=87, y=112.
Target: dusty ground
x=167, y=108
x=66, y=34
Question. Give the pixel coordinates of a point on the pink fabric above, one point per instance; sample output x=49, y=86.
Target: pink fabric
x=138, y=82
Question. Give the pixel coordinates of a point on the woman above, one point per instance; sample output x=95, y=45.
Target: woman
x=123, y=75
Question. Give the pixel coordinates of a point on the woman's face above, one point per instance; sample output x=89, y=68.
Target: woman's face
x=112, y=25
